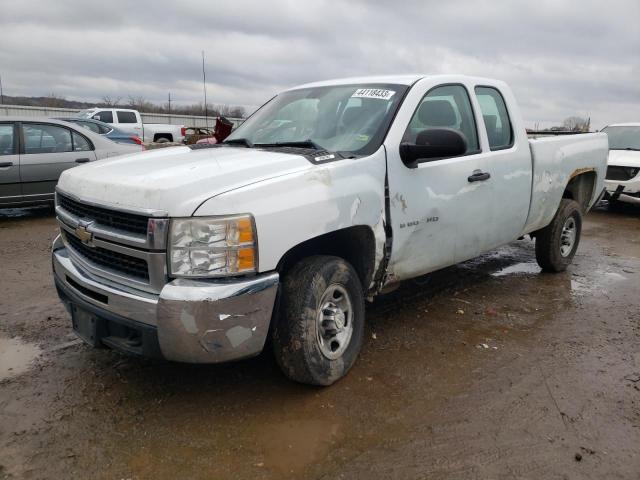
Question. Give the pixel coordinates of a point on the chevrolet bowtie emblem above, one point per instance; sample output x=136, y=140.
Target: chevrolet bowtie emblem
x=84, y=235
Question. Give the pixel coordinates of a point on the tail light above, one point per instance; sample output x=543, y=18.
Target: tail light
x=136, y=139
x=183, y=131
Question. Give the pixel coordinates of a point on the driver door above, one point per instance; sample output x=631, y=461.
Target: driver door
x=439, y=213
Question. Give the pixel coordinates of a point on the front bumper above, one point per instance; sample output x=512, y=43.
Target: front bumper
x=194, y=321
x=626, y=191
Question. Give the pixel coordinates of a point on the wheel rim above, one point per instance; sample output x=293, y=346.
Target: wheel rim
x=334, y=322
x=568, y=237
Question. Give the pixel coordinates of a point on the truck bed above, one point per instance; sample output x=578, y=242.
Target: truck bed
x=555, y=160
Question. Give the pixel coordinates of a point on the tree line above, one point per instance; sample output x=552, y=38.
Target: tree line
x=138, y=103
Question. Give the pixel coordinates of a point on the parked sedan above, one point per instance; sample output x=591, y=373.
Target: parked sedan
x=623, y=172
x=101, y=128
x=35, y=151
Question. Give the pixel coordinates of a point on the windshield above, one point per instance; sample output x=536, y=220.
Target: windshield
x=343, y=118
x=623, y=138
x=85, y=113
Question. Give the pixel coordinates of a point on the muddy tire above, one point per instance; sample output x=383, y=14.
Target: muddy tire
x=556, y=244
x=320, y=323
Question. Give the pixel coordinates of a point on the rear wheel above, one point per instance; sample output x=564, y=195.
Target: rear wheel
x=556, y=244
x=320, y=323
x=162, y=140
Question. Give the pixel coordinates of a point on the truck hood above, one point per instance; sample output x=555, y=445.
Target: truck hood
x=175, y=180
x=624, y=158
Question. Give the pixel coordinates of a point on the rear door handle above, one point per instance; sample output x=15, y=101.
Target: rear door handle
x=479, y=176
x=6, y=164
x=82, y=160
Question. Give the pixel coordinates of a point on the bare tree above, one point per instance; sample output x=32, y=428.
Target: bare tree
x=576, y=124
x=109, y=101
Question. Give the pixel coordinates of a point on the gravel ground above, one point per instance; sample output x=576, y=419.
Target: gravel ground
x=489, y=369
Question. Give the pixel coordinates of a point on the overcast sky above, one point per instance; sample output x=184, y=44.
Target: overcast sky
x=561, y=58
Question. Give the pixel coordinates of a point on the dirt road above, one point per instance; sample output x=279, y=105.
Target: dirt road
x=489, y=369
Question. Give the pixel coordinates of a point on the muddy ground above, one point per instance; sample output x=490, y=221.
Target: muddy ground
x=489, y=369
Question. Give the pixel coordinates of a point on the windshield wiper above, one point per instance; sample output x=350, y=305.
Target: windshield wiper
x=241, y=141
x=299, y=143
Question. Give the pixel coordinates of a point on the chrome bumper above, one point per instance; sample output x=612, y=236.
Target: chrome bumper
x=196, y=321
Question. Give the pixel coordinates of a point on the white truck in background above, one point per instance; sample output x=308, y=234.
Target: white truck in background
x=623, y=174
x=130, y=121
x=324, y=197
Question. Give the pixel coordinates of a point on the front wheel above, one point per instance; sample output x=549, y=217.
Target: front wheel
x=320, y=323
x=556, y=244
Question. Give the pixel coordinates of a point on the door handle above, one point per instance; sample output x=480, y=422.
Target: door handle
x=6, y=164
x=479, y=176
x=82, y=160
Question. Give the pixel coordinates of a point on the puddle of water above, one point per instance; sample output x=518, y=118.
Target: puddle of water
x=16, y=357
x=526, y=268
x=600, y=282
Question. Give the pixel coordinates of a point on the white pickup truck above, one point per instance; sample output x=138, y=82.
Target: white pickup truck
x=328, y=194
x=130, y=121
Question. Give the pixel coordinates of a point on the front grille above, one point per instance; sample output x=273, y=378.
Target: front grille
x=128, y=222
x=623, y=174
x=118, y=262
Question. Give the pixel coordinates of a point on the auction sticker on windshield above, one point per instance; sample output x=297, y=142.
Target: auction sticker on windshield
x=380, y=93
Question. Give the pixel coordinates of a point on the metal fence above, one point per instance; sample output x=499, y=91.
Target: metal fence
x=186, y=120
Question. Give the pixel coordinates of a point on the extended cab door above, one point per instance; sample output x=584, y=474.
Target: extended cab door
x=10, y=190
x=509, y=162
x=439, y=209
x=48, y=150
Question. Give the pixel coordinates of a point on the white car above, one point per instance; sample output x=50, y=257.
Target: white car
x=130, y=121
x=326, y=195
x=623, y=172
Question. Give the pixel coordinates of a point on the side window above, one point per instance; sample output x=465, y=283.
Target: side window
x=496, y=118
x=81, y=144
x=105, y=116
x=7, y=145
x=103, y=129
x=44, y=138
x=90, y=126
x=126, y=117
x=447, y=106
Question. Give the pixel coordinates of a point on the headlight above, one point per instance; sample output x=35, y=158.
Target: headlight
x=212, y=246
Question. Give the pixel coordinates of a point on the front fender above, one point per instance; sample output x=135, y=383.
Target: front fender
x=299, y=206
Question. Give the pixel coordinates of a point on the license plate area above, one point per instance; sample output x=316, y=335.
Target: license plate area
x=85, y=324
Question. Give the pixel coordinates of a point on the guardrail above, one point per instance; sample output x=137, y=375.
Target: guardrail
x=186, y=120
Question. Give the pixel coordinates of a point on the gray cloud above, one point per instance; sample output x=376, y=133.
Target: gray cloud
x=561, y=58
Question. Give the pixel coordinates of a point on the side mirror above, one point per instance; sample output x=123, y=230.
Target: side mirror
x=433, y=144
x=96, y=117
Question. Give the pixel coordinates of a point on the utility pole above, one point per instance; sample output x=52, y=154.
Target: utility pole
x=204, y=88
x=1, y=93
x=169, y=107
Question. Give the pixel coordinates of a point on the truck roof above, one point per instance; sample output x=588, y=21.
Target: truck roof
x=408, y=79
x=628, y=124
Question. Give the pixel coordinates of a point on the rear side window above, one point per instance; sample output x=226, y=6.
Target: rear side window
x=7, y=145
x=126, y=117
x=447, y=106
x=102, y=129
x=105, y=116
x=44, y=138
x=496, y=118
x=80, y=144
x=90, y=126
